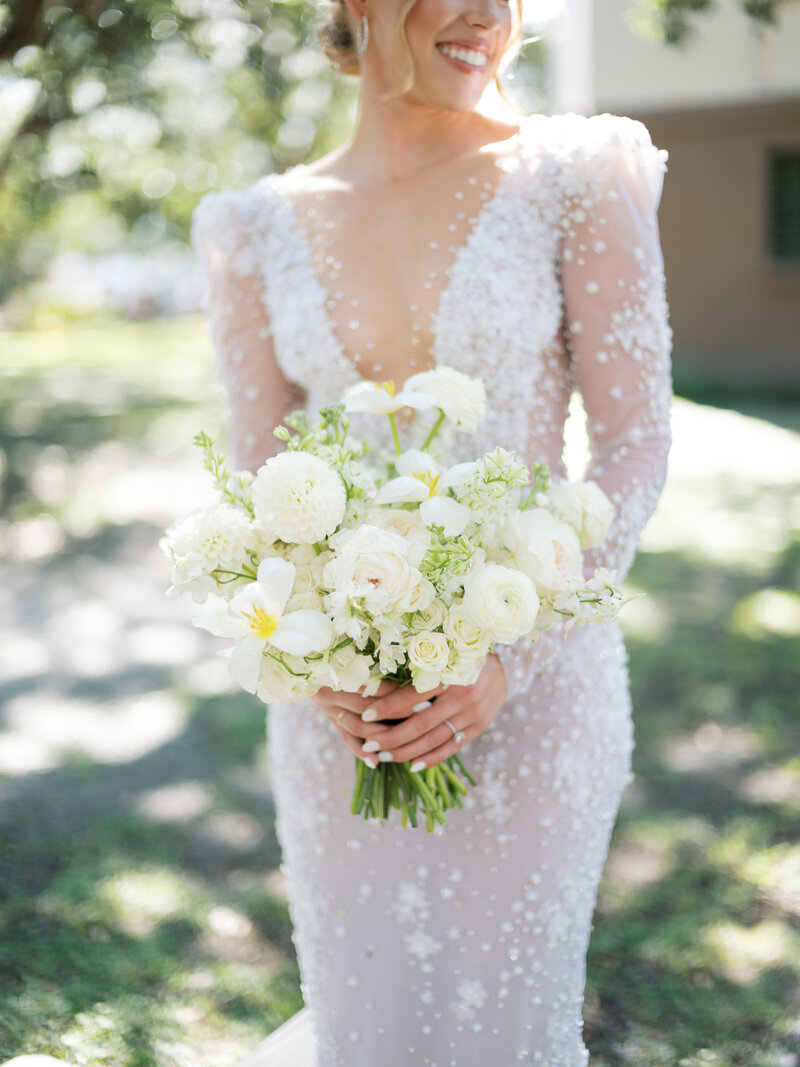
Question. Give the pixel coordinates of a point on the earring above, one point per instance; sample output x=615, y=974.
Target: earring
x=362, y=34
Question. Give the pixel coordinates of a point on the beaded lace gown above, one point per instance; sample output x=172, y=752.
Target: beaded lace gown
x=465, y=947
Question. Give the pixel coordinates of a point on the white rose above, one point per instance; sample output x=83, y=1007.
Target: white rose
x=422, y=596
x=373, y=564
x=545, y=548
x=466, y=637
x=585, y=507
x=461, y=398
x=349, y=670
x=430, y=617
x=408, y=524
x=298, y=497
x=428, y=651
x=502, y=601
x=462, y=670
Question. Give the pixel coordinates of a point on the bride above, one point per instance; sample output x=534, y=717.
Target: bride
x=524, y=250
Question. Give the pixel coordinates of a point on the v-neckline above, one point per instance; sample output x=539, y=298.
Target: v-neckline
x=303, y=247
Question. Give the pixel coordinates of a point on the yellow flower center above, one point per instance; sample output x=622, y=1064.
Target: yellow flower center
x=262, y=623
x=431, y=480
x=388, y=387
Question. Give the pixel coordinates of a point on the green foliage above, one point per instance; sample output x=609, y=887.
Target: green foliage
x=672, y=22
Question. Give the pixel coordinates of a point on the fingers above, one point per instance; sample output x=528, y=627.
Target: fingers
x=400, y=703
x=424, y=747
x=355, y=747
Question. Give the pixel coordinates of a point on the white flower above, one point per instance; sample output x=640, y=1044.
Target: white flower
x=380, y=398
x=423, y=480
x=408, y=524
x=462, y=670
x=464, y=635
x=461, y=398
x=255, y=619
x=545, y=548
x=208, y=539
x=502, y=601
x=430, y=617
x=373, y=564
x=585, y=507
x=428, y=651
x=349, y=670
x=298, y=497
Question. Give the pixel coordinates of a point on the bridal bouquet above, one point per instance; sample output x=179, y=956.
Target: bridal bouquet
x=340, y=567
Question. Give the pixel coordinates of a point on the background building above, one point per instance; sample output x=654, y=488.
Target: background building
x=726, y=105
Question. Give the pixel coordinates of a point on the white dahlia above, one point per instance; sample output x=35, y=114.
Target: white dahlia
x=298, y=497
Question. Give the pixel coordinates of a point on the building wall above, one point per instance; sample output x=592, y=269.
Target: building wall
x=732, y=309
x=728, y=60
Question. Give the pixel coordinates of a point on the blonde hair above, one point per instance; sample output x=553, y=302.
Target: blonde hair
x=338, y=42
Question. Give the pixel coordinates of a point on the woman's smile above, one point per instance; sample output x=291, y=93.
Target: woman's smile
x=468, y=58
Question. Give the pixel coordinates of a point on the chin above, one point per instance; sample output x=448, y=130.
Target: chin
x=445, y=99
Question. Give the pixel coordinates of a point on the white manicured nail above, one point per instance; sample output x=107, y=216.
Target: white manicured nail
x=370, y=715
x=370, y=746
x=385, y=757
x=420, y=765
x=369, y=762
x=423, y=704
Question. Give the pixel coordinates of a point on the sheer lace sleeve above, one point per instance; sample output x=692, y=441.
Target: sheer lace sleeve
x=619, y=339
x=225, y=229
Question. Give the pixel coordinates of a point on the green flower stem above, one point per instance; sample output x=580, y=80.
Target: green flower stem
x=395, y=436
x=433, y=432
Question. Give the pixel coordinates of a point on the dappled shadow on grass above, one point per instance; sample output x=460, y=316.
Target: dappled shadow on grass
x=696, y=943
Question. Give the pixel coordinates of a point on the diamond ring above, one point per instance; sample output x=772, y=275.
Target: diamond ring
x=458, y=735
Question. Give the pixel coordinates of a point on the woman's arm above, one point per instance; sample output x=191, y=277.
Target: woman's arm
x=619, y=339
x=257, y=395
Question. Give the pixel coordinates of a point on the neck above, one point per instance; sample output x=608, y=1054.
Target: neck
x=402, y=138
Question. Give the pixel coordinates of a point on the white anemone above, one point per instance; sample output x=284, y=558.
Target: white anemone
x=255, y=619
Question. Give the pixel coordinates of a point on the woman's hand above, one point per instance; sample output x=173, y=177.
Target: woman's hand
x=355, y=716
x=423, y=735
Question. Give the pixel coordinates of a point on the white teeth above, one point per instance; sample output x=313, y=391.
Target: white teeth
x=466, y=55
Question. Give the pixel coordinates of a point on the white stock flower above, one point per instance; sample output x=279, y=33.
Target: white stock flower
x=545, y=548
x=373, y=564
x=298, y=497
x=585, y=507
x=461, y=398
x=380, y=398
x=255, y=619
x=208, y=539
x=502, y=601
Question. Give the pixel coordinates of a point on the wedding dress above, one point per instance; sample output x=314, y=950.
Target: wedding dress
x=467, y=947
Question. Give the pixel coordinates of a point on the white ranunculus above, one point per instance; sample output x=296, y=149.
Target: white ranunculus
x=422, y=596
x=461, y=398
x=380, y=398
x=208, y=539
x=374, y=564
x=298, y=497
x=502, y=601
x=465, y=636
x=545, y=548
x=585, y=507
x=349, y=670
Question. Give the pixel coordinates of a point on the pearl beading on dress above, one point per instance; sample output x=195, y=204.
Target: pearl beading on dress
x=468, y=946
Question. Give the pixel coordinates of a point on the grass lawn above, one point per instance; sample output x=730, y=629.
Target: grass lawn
x=143, y=921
